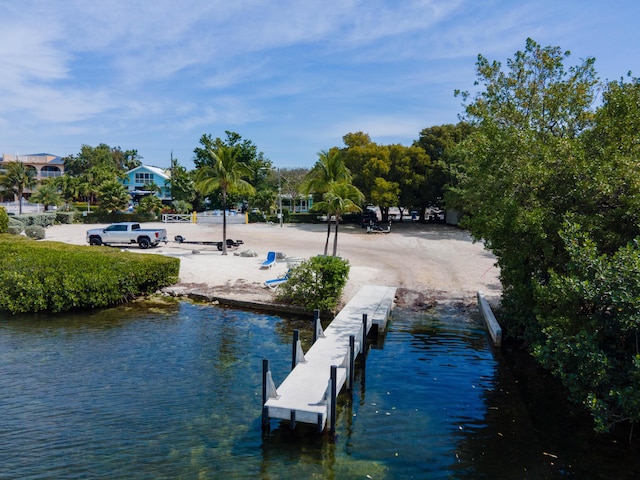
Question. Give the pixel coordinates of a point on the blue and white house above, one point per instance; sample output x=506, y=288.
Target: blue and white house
x=140, y=177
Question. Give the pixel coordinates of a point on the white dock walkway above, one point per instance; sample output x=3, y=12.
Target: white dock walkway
x=305, y=395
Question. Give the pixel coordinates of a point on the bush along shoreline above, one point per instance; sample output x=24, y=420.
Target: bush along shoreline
x=56, y=277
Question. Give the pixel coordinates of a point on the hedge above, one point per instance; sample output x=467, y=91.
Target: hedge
x=4, y=220
x=44, y=219
x=56, y=277
x=111, y=217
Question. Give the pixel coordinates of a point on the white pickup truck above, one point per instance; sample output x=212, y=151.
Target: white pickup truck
x=126, y=232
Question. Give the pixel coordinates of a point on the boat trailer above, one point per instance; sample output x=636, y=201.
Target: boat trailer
x=231, y=244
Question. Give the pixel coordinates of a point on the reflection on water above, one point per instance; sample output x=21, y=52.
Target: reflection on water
x=174, y=392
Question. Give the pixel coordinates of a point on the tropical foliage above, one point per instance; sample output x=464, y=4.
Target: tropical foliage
x=48, y=195
x=17, y=178
x=552, y=187
x=221, y=171
x=341, y=197
x=331, y=179
x=113, y=196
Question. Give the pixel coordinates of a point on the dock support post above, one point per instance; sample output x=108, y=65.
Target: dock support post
x=294, y=349
x=265, y=410
x=293, y=419
x=352, y=361
x=316, y=322
x=363, y=345
x=332, y=399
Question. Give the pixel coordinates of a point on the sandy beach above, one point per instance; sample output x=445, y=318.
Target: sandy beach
x=429, y=263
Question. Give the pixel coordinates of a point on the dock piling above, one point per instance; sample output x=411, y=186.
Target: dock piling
x=316, y=322
x=265, y=409
x=363, y=344
x=293, y=420
x=352, y=361
x=332, y=399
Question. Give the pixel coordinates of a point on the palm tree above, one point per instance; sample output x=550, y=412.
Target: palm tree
x=113, y=196
x=69, y=187
x=223, y=172
x=340, y=197
x=47, y=194
x=17, y=178
x=329, y=168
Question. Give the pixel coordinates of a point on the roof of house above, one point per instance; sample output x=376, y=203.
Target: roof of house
x=164, y=173
x=48, y=157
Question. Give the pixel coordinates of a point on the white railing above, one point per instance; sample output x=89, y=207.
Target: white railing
x=177, y=218
x=14, y=207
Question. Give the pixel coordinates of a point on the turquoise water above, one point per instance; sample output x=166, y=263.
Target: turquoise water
x=175, y=392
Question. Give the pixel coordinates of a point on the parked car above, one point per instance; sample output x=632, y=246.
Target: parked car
x=368, y=217
x=126, y=232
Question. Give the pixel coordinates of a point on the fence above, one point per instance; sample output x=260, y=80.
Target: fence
x=204, y=217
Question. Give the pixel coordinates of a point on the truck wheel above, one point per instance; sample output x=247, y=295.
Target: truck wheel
x=95, y=241
x=144, y=243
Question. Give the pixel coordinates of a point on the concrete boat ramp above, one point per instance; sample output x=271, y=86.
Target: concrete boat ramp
x=308, y=394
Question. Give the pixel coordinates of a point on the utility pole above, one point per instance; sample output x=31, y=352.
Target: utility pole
x=280, y=197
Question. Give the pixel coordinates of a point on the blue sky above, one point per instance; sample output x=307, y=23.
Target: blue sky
x=293, y=76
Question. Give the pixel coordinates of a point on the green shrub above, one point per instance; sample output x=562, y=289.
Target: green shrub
x=65, y=217
x=4, y=220
x=35, y=231
x=305, y=218
x=56, y=277
x=42, y=219
x=316, y=283
x=16, y=227
x=256, y=217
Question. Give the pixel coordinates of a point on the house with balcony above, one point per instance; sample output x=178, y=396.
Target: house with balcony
x=44, y=165
x=139, y=180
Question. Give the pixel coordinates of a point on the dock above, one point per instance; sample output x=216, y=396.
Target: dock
x=308, y=394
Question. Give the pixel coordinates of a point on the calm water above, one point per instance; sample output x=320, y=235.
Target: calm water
x=175, y=392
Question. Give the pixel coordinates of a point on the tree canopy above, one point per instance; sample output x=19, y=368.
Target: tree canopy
x=551, y=186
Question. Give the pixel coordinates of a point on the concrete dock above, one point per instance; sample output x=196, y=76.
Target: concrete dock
x=306, y=394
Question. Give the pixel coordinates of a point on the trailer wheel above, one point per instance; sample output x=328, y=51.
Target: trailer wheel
x=144, y=243
x=220, y=246
x=179, y=238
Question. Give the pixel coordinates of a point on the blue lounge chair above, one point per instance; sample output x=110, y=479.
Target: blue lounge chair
x=270, y=261
x=274, y=282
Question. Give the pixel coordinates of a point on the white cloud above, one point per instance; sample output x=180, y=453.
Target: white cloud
x=292, y=72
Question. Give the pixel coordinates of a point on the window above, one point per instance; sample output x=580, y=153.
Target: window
x=49, y=171
x=143, y=178
x=116, y=228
